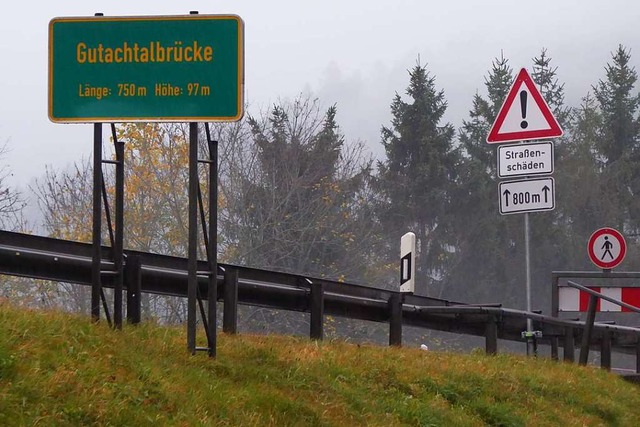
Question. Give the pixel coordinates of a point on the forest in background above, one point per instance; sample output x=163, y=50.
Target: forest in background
x=296, y=195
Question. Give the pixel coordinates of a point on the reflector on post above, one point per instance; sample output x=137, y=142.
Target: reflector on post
x=408, y=263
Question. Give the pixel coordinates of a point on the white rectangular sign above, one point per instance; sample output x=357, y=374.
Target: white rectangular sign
x=525, y=159
x=527, y=195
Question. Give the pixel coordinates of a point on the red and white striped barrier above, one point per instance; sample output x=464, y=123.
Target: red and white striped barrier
x=572, y=299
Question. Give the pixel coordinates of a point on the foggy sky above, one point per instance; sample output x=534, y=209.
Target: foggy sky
x=352, y=53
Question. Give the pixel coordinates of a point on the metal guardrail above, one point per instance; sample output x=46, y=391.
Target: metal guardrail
x=67, y=261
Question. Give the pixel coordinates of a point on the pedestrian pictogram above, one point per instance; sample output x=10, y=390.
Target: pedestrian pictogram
x=524, y=115
x=606, y=248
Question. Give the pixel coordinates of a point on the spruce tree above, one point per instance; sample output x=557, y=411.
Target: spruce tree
x=618, y=142
x=487, y=244
x=619, y=108
x=581, y=196
x=549, y=242
x=415, y=180
x=545, y=77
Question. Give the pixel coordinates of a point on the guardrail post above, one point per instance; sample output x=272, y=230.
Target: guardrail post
x=605, y=351
x=230, y=310
x=588, y=329
x=638, y=356
x=554, y=348
x=395, y=318
x=491, y=336
x=569, y=344
x=133, y=282
x=317, y=311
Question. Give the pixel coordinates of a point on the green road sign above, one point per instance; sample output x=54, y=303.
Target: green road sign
x=164, y=68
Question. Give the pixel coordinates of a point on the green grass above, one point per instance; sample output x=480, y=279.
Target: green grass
x=57, y=369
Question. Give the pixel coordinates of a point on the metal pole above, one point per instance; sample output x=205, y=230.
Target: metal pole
x=212, y=296
x=230, y=309
x=96, y=286
x=491, y=336
x=529, y=334
x=554, y=312
x=133, y=275
x=317, y=311
x=395, y=318
x=192, y=264
x=588, y=330
x=605, y=351
x=118, y=257
x=569, y=344
x=528, y=267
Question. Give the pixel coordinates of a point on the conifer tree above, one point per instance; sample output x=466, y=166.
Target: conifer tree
x=619, y=108
x=487, y=244
x=618, y=145
x=545, y=77
x=415, y=180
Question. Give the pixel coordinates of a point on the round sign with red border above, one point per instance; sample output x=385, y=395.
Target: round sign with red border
x=606, y=248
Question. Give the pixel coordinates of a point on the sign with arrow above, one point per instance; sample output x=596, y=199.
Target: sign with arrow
x=527, y=195
x=524, y=115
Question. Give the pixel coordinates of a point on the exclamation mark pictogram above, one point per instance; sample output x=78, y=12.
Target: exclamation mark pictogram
x=523, y=109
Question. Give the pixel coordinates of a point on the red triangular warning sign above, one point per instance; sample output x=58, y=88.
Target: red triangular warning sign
x=524, y=115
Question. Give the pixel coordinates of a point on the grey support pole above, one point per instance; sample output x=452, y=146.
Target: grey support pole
x=569, y=344
x=588, y=329
x=212, y=295
x=395, y=319
x=605, y=351
x=133, y=279
x=192, y=264
x=96, y=256
x=529, y=333
x=491, y=336
x=317, y=311
x=119, y=232
x=230, y=310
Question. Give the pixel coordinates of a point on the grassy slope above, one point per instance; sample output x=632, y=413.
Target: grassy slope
x=57, y=369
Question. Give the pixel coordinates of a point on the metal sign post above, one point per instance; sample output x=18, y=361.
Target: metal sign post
x=150, y=69
x=525, y=115
x=96, y=284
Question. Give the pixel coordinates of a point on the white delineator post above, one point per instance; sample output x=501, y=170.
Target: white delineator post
x=408, y=263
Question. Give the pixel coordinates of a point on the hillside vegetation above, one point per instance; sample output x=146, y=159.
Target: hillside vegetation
x=58, y=369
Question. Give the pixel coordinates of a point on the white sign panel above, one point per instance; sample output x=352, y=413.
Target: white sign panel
x=531, y=195
x=525, y=159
